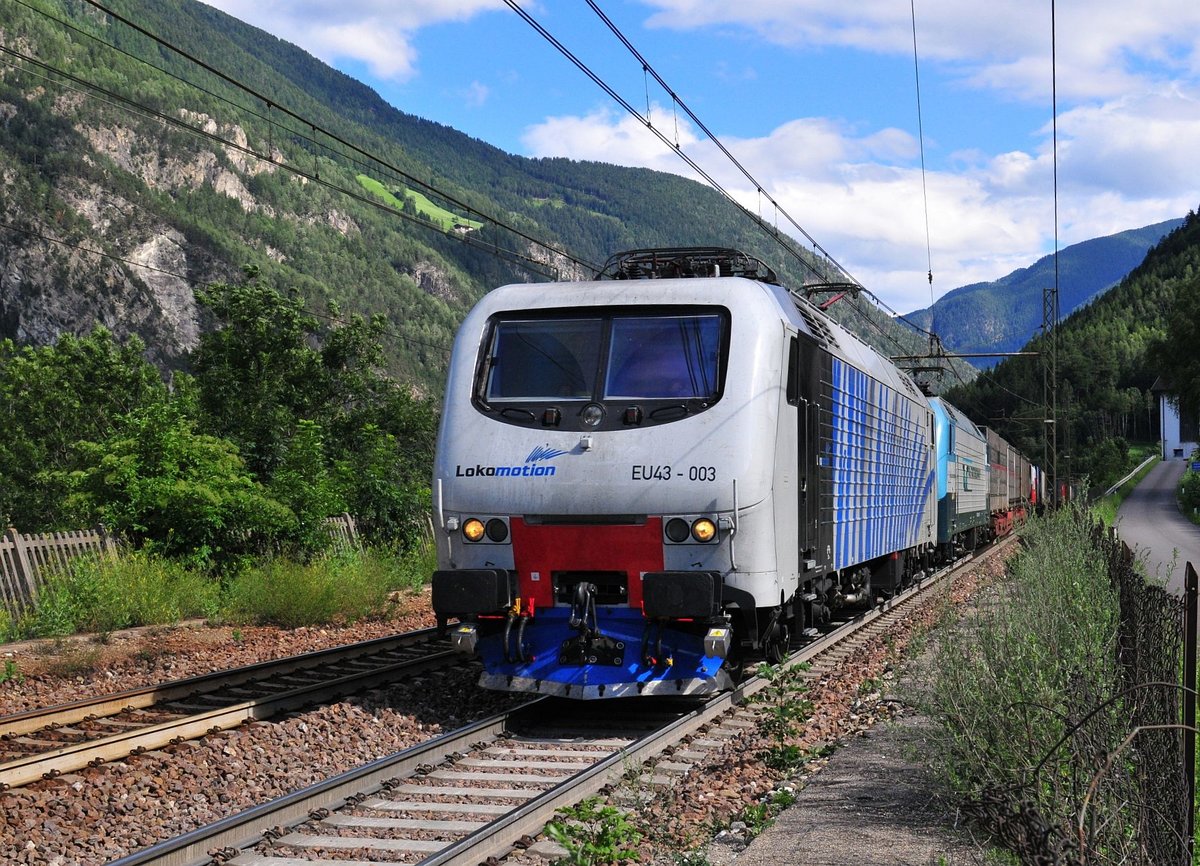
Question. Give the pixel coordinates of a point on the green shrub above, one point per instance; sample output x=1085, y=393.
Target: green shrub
x=1008, y=677
x=102, y=594
x=347, y=586
x=593, y=833
x=304, y=484
x=175, y=491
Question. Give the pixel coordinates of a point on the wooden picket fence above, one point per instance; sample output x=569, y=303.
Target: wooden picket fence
x=343, y=531
x=26, y=560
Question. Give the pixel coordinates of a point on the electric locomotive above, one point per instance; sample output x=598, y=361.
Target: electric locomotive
x=964, y=520
x=645, y=479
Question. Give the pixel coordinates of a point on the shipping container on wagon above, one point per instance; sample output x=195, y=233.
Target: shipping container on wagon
x=1003, y=486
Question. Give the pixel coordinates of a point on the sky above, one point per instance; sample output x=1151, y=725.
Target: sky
x=818, y=100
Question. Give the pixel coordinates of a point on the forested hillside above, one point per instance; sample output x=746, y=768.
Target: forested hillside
x=1109, y=354
x=1000, y=316
x=230, y=276
x=114, y=143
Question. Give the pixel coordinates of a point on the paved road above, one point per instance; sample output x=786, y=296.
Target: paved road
x=1149, y=521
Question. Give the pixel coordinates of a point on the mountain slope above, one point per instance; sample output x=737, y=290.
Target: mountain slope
x=1000, y=316
x=132, y=175
x=1104, y=372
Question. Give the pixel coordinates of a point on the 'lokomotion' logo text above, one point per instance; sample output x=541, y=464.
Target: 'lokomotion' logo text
x=529, y=470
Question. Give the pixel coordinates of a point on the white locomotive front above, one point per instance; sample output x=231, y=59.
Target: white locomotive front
x=637, y=481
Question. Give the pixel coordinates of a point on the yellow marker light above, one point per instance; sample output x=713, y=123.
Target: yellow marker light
x=703, y=529
x=473, y=529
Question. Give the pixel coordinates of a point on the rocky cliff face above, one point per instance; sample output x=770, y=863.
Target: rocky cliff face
x=102, y=245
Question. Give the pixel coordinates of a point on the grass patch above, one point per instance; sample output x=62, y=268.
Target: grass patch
x=439, y=216
x=338, y=588
x=137, y=589
x=103, y=595
x=1105, y=508
x=1012, y=676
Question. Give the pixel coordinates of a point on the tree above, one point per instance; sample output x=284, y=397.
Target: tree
x=54, y=396
x=175, y=491
x=256, y=373
x=380, y=488
x=304, y=484
x=1176, y=355
x=311, y=410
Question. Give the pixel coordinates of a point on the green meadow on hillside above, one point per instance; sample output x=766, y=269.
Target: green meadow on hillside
x=447, y=220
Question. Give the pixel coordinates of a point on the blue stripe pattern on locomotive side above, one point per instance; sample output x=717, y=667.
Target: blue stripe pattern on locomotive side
x=879, y=465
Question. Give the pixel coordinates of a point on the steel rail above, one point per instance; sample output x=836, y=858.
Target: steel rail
x=74, y=756
x=498, y=837
x=246, y=828
x=86, y=709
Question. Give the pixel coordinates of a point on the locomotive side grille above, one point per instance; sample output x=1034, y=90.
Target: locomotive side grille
x=612, y=587
x=817, y=326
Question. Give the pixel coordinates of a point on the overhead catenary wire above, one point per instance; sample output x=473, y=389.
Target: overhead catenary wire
x=921, y=140
x=674, y=146
x=677, y=100
x=315, y=174
x=118, y=101
x=772, y=232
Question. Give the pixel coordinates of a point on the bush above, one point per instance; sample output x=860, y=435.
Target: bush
x=1189, y=493
x=177, y=492
x=1008, y=679
x=7, y=626
x=304, y=484
x=343, y=587
x=103, y=594
x=390, y=507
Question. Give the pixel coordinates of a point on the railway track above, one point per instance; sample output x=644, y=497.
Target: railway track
x=44, y=743
x=478, y=792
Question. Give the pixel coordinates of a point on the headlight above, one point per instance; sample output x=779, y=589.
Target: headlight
x=497, y=530
x=703, y=529
x=677, y=529
x=473, y=529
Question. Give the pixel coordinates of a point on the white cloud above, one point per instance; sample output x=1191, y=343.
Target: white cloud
x=605, y=135
x=1103, y=46
x=476, y=94
x=859, y=193
x=1129, y=120
x=377, y=33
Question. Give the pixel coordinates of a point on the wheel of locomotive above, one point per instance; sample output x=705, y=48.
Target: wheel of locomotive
x=777, y=644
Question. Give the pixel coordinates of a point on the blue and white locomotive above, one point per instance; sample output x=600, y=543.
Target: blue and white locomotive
x=644, y=479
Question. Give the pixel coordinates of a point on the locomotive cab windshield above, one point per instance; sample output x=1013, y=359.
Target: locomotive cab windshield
x=637, y=367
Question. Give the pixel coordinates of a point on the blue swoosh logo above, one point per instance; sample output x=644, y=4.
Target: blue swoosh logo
x=542, y=452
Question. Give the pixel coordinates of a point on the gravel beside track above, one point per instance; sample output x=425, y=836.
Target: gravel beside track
x=107, y=812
